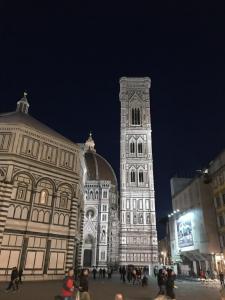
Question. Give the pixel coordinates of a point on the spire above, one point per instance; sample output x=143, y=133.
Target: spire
x=90, y=144
x=23, y=105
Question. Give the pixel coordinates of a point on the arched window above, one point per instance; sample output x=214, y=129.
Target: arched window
x=24, y=213
x=18, y=212
x=11, y=211
x=61, y=219
x=56, y=219
x=141, y=176
x=41, y=216
x=46, y=217
x=135, y=116
x=140, y=147
x=96, y=195
x=132, y=147
x=35, y=215
x=66, y=220
x=91, y=195
x=128, y=218
x=132, y=176
x=43, y=197
x=63, y=200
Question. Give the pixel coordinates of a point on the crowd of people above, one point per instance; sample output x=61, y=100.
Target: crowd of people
x=134, y=275
x=165, y=279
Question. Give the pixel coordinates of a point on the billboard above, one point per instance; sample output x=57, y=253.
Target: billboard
x=185, y=231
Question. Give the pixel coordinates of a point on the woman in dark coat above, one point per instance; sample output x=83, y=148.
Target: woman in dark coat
x=170, y=284
x=84, y=281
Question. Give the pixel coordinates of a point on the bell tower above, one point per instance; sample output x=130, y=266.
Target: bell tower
x=138, y=235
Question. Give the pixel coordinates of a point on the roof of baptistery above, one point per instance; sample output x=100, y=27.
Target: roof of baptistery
x=98, y=168
x=21, y=116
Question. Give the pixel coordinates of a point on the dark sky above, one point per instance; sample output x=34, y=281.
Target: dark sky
x=69, y=58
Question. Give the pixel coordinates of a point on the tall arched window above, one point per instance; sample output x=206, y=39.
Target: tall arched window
x=132, y=176
x=135, y=116
x=18, y=212
x=35, y=215
x=46, y=217
x=132, y=147
x=11, y=211
x=140, y=148
x=41, y=216
x=141, y=176
x=24, y=213
x=56, y=218
x=91, y=195
x=96, y=195
x=43, y=197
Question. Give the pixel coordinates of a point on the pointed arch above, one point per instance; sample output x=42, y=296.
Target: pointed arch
x=18, y=212
x=11, y=211
x=24, y=213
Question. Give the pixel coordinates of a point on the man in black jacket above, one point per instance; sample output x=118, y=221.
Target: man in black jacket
x=14, y=280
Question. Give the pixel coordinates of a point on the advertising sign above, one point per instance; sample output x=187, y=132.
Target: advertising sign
x=184, y=232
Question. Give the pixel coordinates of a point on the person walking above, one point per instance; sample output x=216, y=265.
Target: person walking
x=103, y=273
x=124, y=274
x=94, y=273
x=14, y=280
x=221, y=277
x=162, y=278
x=100, y=273
x=68, y=285
x=83, y=287
x=170, y=284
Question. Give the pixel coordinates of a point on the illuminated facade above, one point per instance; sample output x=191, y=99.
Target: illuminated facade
x=138, y=236
x=101, y=223
x=217, y=178
x=40, y=197
x=193, y=229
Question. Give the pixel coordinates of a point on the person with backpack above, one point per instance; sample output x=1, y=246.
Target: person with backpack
x=68, y=286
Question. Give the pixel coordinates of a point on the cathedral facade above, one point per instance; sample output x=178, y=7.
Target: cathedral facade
x=100, y=245
x=138, y=236
x=41, y=197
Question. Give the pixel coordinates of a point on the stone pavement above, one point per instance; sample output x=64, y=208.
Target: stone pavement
x=106, y=290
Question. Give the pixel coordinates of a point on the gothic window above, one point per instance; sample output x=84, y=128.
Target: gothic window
x=128, y=218
x=46, y=217
x=66, y=221
x=63, y=201
x=35, y=215
x=147, y=204
x=91, y=195
x=96, y=195
x=105, y=194
x=41, y=216
x=102, y=255
x=56, y=218
x=140, y=204
x=132, y=176
x=135, y=116
x=61, y=219
x=104, y=207
x=18, y=212
x=140, y=148
x=43, y=197
x=24, y=213
x=104, y=217
x=132, y=148
x=11, y=211
x=141, y=177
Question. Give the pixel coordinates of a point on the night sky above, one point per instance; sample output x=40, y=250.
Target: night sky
x=69, y=57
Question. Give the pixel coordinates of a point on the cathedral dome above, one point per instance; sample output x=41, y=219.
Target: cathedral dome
x=98, y=168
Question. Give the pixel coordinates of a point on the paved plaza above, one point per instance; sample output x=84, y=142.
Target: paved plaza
x=106, y=290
